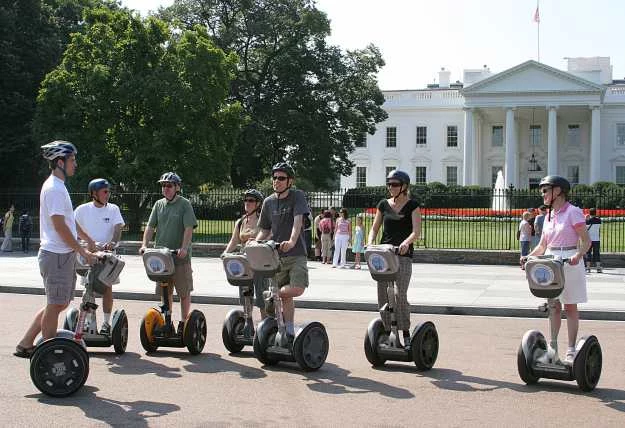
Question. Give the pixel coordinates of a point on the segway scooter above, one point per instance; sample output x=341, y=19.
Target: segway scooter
x=310, y=345
x=545, y=276
x=157, y=328
x=238, y=327
x=381, y=346
x=98, y=277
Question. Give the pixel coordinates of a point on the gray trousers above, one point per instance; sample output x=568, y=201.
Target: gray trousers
x=402, y=308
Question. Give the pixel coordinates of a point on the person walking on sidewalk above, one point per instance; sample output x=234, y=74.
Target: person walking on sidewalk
x=245, y=230
x=25, y=229
x=563, y=228
x=281, y=217
x=524, y=234
x=359, y=239
x=326, y=225
x=9, y=218
x=58, y=246
x=342, y=239
x=103, y=222
x=402, y=226
x=173, y=219
x=593, y=256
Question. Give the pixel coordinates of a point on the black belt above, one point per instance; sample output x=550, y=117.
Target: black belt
x=574, y=247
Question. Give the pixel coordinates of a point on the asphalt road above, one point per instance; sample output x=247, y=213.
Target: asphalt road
x=474, y=382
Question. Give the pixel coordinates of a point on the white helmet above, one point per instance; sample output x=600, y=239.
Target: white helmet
x=58, y=149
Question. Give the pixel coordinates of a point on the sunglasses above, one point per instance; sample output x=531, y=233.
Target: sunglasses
x=279, y=178
x=393, y=184
x=167, y=185
x=250, y=200
x=545, y=190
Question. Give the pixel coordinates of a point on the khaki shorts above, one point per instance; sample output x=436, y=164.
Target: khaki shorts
x=293, y=272
x=59, y=276
x=183, y=281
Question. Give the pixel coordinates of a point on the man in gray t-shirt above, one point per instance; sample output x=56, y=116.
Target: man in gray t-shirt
x=282, y=218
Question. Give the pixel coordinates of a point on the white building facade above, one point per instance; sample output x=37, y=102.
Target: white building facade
x=528, y=121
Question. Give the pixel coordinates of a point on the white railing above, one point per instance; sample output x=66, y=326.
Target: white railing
x=424, y=98
x=615, y=94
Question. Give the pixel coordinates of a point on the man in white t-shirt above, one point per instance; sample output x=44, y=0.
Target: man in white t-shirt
x=103, y=222
x=58, y=245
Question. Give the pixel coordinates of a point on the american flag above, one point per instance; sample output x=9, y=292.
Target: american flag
x=536, y=15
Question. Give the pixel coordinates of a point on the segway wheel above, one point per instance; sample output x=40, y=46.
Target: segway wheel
x=376, y=327
x=71, y=319
x=587, y=367
x=195, y=332
x=59, y=367
x=152, y=318
x=233, y=327
x=310, y=348
x=525, y=372
x=120, y=333
x=260, y=347
x=424, y=346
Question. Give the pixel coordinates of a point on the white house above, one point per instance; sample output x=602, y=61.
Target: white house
x=528, y=121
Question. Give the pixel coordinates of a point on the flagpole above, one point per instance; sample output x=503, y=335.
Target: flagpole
x=538, y=38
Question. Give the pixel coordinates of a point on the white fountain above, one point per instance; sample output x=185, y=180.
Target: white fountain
x=500, y=201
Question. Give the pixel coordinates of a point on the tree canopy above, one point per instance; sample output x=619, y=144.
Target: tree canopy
x=306, y=100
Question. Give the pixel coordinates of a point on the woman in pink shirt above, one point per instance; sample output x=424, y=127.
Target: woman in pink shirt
x=564, y=227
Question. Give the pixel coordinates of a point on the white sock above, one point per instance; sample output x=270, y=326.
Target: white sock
x=290, y=328
x=570, y=350
x=107, y=318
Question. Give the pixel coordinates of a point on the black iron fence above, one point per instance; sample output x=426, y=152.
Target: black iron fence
x=452, y=217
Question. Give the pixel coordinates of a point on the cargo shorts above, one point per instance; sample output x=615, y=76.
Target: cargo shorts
x=59, y=276
x=183, y=280
x=293, y=272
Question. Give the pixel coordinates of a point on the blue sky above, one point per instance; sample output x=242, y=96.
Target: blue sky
x=419, y=37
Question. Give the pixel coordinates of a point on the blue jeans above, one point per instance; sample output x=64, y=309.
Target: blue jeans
x=525, y=248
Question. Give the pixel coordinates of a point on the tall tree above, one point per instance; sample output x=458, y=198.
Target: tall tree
x=33, y=35
x=306, y=100
x=139, y=100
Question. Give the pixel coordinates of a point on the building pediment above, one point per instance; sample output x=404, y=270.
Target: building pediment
x=532, y=77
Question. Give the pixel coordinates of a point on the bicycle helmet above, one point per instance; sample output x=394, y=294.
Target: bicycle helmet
x=170, y=177
x=285, y=168
x=254, y=194
x=58, y=149
x=98, y=184
x=398, y=175
x=556, y=181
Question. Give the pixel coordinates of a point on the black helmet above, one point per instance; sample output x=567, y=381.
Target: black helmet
x=398, y=175
x=58, y=149
x=254, y=194
x=555, y=181
x=98, y=184
x=285, y=168
x=170, y=177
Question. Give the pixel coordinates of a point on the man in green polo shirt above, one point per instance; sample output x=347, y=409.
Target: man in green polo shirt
x=174, y=220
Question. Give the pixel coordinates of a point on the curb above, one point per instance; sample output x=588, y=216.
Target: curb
x=353, y=306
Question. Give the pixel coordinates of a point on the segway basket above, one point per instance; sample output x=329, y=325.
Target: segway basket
x=263, y=257
x=383, y=262
x=159, y=264
x=545, y=276
x=238, y=270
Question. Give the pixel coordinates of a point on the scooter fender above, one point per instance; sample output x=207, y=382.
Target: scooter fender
x=71, y=318
x=64, y=334
x=264, y=328
x=374, y=326
x=305, y=326
x=531, y=340
x=580, y=344
x=231, y=317
x=115, y=318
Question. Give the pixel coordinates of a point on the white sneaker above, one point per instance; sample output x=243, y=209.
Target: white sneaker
x=570, y=357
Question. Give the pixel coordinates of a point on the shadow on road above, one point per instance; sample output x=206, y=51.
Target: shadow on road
x=112, y=412
x=332, y=379
x=132, y=363
x=213, y=363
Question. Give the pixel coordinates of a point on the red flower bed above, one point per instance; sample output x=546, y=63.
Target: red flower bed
x=487, y=212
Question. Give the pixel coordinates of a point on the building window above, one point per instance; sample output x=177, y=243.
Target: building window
x=422, y=135
x=361, y=141
x=452, y=136
x=388, y=170
x=497, y=140
x=535, y=135
x=573, y=135
x=620, y=134
x=361, y=176
x=573, y=174
x=420, y=175
x=534, y=182
x=452, y=175
x=391, y=136
x=620, y=175
x=494, y=170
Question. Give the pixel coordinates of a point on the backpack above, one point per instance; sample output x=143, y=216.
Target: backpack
x=325, y=225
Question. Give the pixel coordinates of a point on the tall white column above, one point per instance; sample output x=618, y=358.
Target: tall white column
x=511, y=149
x=595, y=145
x=552, y=142
x=467, y=162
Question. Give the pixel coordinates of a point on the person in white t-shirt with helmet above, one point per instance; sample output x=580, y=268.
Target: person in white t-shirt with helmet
x=103, y=222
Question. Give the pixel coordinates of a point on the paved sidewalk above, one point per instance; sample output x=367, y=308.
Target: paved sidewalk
x=434, y=289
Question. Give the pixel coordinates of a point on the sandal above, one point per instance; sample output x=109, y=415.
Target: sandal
x=23, y=352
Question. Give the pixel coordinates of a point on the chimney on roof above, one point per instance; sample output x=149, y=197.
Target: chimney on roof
x=444, y=78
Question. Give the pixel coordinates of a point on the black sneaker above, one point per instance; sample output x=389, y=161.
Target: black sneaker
x=180, y=328
x=106, y=329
